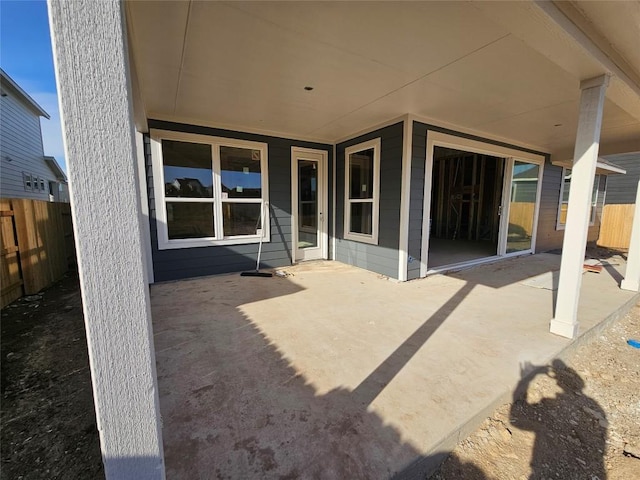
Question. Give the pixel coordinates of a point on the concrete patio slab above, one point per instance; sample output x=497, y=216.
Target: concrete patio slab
x=336, y=372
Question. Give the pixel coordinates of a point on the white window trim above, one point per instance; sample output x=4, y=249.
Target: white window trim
x=359, y=237
x=27, y=178
x=164, y=243
x=596, y=182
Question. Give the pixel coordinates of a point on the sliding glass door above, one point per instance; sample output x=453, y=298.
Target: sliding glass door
x=520, y=197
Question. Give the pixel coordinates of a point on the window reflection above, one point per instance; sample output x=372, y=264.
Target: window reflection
x=187, y=169
x=189, y=220
x=524, y=191
x=240, y=172
x=241, y=218
x=361, y=174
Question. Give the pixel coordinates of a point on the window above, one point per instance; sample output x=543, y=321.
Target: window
x=28, y=181
x=564, y=198
x=209, y=190
x=362, y=185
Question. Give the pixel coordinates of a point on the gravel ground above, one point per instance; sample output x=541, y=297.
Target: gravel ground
x=573, y=420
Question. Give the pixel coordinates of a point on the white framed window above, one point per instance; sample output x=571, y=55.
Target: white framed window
x=362, y=192
x=209, y=190
x=28, y=181
x=564, y=199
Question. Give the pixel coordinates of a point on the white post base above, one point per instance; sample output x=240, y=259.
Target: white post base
x=564, y=329
x=631, y=285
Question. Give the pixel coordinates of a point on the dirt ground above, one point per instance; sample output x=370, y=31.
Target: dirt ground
x=47, y=416
x=573, y=420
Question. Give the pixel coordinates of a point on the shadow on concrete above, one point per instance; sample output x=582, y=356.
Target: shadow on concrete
x=373, y=385
x=234, y=405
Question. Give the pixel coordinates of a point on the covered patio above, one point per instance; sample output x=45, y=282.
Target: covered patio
x=372, y=366
x=336, y=372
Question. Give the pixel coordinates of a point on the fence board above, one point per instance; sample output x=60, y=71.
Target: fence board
x=521, y=216
x=10, y=277
x=615, y=227
x=41, y=241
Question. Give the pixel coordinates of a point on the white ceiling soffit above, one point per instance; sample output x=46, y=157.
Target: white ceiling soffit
x=585, y=38
x=480, y=67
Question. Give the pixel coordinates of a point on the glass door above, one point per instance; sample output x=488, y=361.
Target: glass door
x=309, y=201
x=521, y=198
x=308, y=204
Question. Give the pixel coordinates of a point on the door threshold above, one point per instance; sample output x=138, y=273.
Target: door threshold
x=456, y=267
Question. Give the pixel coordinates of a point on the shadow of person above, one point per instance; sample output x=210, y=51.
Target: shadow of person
x=570, y=428
x=454, y=468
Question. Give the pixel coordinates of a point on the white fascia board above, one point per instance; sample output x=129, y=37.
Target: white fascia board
x=9, y=82
x=603, y=167
x=55, y=168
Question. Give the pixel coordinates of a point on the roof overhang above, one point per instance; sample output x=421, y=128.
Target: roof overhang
x=9, y=83
x=508, y=71
x=55, y=168
x=603, y=166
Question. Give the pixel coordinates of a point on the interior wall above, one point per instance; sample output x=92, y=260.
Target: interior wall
x=466, y=192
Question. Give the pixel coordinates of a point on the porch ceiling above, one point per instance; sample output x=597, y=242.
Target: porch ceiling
x=244, y=65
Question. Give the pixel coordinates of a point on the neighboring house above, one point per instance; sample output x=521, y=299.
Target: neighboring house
x=617, y=216
x=25, y=171
x=331, y=118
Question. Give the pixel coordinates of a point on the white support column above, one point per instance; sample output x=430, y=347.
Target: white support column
x=632, y=275
x=565, y=322
x=89, y=44
x=405, y=199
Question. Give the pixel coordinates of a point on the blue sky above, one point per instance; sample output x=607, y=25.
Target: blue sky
x=25, y=55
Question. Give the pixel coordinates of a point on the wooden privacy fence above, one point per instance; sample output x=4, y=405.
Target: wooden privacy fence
x=37, y=245
x=521, y=217
x=615, y=226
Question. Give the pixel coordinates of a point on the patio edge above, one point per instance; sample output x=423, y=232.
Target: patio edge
x=425, y=466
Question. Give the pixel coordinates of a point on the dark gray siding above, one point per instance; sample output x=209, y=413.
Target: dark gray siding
x=381, y=258
x=621, y=189
x=549, y=236
x=416, y=204
x=192, y=262
x=21, y=141
x=418, y=159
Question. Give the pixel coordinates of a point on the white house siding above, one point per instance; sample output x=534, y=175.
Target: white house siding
x=21, y=149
